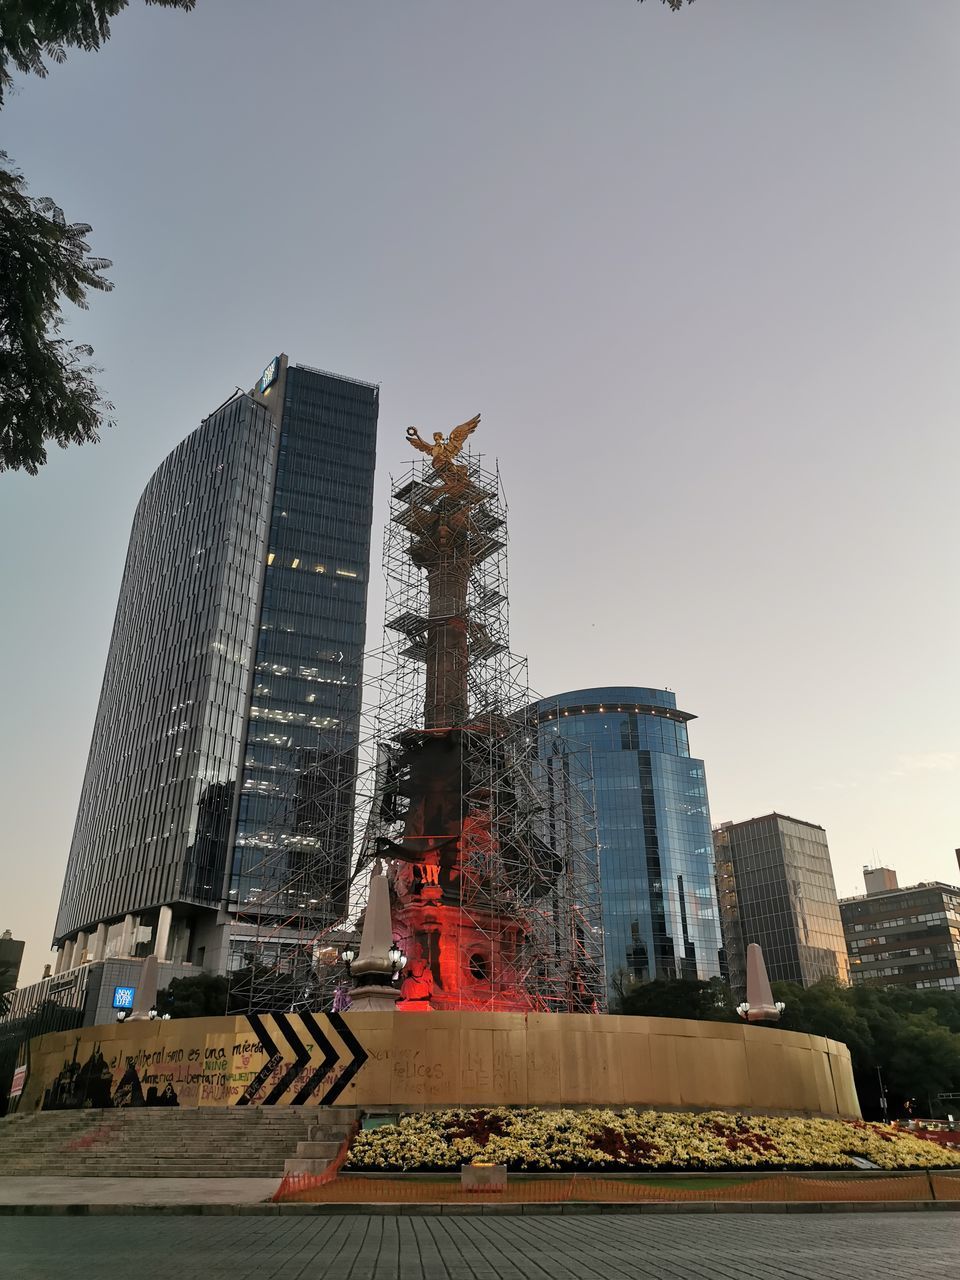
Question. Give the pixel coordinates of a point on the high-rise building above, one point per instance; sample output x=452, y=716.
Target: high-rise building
x=225, y=739
x=775, y=885
x=879, y=879
x=659, y=903
x=903, y=937
x=11, y=953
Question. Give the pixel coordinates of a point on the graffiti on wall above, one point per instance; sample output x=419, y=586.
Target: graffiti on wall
x=262, y=1060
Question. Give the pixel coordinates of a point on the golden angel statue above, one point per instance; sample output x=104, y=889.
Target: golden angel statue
x=443, y=451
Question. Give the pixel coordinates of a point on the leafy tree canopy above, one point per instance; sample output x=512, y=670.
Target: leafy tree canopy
x=34, y=30
x=202, y=995
x=825, y=1009
x=910, y=1037
x=683, y=998
x=47, y=391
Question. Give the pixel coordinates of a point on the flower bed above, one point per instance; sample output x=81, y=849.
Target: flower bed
x=534, y=1140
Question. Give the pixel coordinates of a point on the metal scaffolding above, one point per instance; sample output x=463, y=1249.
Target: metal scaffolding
x=289, y=926
x=499, y=906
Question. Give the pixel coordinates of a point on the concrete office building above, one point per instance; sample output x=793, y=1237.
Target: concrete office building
x=906, y=937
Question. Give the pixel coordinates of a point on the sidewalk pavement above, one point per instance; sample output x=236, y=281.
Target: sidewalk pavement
x=136, y=1191
x=70, y=1197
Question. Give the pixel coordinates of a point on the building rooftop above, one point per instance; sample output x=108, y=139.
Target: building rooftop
x=617, y=697
x=764, y=817
x=341, y=377
x=904, y=888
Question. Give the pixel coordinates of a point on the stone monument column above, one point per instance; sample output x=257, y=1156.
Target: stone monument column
x=372, y=971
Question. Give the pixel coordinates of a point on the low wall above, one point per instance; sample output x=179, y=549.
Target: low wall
x=413, y=1060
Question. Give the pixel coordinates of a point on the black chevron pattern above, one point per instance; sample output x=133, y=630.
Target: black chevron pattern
x=300, y=1060
x=360, y=1056
x=330, y=1055
x=287, y=1026
x=268, y=1068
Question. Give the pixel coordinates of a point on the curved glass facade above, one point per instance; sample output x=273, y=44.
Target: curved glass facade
x=660, y=915
x=154, y=814
x=234, y=666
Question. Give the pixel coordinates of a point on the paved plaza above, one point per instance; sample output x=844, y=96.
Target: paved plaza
x=856, y=1246
x=135, y=1191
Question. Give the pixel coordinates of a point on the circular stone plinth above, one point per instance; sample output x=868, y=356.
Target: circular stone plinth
x=406, y=1060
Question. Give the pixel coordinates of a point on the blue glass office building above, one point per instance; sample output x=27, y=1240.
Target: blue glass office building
x=225, y=738
x=660, y=916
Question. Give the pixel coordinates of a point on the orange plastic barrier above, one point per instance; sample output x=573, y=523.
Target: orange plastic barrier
x=293, y=1183
x=350, y=1189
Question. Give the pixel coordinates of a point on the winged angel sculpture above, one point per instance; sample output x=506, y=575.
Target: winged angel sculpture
x=444, y=451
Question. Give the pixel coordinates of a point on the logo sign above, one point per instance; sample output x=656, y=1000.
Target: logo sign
x=123, y=997
x=270, y=374
x=66, y=981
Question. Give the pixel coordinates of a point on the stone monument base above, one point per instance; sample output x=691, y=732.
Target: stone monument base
x=411, y=1060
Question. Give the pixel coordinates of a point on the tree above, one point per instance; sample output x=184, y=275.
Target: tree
x=680, y=998
x=920, y=1060
x=909, y=1039
x=203, y=995
x=31, y=30
x=913, y=1045
x=47, y=388
x=825, y=1009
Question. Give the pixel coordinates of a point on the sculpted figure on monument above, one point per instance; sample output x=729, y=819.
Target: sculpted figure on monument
x=444, y=451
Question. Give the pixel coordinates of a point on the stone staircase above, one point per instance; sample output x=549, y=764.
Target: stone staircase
x=160, y=1142
x=330, y=1126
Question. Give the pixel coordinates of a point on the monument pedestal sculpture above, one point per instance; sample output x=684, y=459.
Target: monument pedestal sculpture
x=373, y=972
x=463, y=864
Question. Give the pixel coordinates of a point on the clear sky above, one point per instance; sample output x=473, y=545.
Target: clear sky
x=700, y=273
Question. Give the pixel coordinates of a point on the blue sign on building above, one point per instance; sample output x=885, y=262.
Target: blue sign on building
x=123, y=997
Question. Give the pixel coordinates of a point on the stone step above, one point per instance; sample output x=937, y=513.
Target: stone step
x=318, y=1150
x=170, y=1142
x=221, y=1166
x=297, y=1164
x=157, y=1115
x=273, y=1169
x=133, y=1144
x=198, y=1115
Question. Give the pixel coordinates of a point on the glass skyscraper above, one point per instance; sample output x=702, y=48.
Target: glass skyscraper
x=660, y=915
x=226, y=734
x=776, y=888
